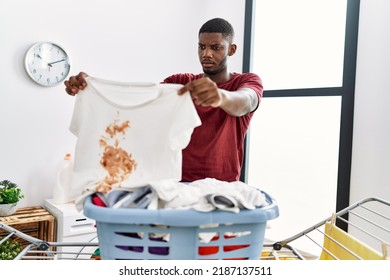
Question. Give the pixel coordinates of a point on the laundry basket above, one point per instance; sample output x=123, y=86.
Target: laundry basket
x=126, y=233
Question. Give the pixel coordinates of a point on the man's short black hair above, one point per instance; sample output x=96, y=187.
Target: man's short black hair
x=218, y=25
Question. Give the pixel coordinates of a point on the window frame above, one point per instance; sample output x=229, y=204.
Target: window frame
x=346, y=91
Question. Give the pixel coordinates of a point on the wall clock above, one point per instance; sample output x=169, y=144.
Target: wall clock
x=47, y=63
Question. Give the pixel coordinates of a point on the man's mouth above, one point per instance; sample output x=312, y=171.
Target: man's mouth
x=207, y=64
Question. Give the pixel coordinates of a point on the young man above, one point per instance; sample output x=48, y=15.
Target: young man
x=225, y=103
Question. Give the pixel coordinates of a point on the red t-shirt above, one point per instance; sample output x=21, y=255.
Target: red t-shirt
x=216, y=149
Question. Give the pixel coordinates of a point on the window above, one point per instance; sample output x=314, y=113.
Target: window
x=299, y=43
x=299, y=143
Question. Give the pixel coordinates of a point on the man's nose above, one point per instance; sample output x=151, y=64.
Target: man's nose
x=207, y=53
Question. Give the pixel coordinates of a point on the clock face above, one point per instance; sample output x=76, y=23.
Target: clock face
x=47, y=64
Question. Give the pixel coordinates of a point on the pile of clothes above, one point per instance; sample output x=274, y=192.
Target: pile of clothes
x=202, y=195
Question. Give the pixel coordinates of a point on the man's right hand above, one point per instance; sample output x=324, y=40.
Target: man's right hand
x=76, y=83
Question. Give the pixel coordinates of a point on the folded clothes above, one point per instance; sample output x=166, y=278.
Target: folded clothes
x=139, y=198
x=203, y=195
x=210, y=194
x=222, y=202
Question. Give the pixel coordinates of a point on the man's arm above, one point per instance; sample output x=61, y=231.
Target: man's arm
x=239, y=103
x=236, y=103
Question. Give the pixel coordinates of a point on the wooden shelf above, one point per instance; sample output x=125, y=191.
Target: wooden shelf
x=34, y=221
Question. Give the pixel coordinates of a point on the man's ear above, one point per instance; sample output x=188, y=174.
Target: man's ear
x=232, y=49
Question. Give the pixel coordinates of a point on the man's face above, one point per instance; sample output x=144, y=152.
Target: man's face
x=213, y=51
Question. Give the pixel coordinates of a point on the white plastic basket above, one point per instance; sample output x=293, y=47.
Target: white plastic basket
x=128, y=233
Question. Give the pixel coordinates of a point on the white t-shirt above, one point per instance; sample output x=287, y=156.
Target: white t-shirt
x=129, y=134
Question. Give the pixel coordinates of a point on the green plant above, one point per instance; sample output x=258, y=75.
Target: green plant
x=9, y=249
x=9, y=192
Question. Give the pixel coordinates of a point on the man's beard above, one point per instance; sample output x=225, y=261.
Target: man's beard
x=211, y=72
x=221, y=68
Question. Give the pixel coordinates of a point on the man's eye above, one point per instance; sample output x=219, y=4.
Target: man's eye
x=216, y=48
x=201, y=47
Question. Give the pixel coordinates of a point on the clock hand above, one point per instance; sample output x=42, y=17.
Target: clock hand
x=51, y=63
x=48, y=64
x=42, y=58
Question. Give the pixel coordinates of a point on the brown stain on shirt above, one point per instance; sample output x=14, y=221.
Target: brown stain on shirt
x=118, y=163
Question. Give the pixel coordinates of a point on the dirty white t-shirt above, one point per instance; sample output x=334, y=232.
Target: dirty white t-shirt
x=129, y=134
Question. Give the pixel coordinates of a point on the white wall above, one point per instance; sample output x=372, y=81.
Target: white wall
x=115, y=39
x=371, y=142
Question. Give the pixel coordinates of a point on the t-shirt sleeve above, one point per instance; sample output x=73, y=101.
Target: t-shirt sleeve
x=77, y=115
x=78, y=110
x=187, y=119
x=252, y=81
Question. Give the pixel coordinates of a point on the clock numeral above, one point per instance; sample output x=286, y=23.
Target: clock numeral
x=34, y=71
x=48, y=80
x=57, y=78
